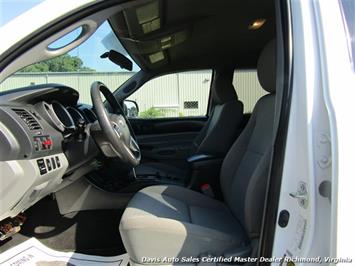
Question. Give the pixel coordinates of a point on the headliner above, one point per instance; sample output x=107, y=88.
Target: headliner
x=217, y=33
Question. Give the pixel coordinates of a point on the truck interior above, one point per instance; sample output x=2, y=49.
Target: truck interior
x=94, y=180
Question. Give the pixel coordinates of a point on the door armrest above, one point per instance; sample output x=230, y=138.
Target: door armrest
x=200, y=158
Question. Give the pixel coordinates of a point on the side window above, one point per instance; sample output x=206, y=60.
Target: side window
x=183, y=94
x=248, y=89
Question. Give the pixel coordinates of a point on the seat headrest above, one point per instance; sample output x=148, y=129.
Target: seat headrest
x=267, y=67
x=222, y=87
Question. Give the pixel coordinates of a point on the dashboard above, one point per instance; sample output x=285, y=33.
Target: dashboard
x=45, y=138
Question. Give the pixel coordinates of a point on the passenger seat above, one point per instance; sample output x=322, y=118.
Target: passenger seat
x=217, y=135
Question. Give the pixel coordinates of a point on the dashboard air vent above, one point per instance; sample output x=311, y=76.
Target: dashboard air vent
x=29, y=120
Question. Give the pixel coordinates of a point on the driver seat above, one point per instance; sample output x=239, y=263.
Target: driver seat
x=172, y=221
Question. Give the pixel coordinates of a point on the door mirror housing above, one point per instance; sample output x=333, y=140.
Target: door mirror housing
x=130, y=108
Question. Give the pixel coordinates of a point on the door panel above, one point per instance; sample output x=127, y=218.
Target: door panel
x=167, y=140
x=167, y=125
x=166, y=146
x=167, y=112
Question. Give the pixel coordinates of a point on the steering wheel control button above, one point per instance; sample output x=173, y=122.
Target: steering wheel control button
x=117, y=129
x=41, y=166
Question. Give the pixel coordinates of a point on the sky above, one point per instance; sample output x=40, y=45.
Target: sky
x=89, y=51
x=10, y=9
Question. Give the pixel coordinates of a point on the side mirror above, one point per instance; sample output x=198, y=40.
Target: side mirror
x=130, y=108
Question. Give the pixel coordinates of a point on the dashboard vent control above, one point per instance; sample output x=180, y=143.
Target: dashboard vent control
x=29, y=119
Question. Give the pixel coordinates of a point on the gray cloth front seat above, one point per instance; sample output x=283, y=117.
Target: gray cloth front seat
x=172, y=221
x=222, y=127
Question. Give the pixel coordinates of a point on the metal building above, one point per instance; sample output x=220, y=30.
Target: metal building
x=180, y=94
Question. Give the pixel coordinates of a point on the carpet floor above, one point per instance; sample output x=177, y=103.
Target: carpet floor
x=93, y=232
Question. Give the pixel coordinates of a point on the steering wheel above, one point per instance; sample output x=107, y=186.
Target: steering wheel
x=118, y=136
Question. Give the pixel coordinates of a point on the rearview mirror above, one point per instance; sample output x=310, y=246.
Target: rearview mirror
x=119, y=59
x=130, y=108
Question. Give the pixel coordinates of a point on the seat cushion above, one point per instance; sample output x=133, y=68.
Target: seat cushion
x=177, y=222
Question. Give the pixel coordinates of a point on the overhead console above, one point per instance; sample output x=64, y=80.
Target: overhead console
x=147, y=34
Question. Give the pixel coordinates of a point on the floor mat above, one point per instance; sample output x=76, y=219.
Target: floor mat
x=90, y=232
x=33, y=252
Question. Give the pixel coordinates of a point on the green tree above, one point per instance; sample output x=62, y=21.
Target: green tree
x=63, y=63
x=152, y=112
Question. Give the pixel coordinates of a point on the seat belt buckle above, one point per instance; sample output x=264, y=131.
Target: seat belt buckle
x=207, y=190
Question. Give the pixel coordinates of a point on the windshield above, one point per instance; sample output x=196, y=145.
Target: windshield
x=79, y=68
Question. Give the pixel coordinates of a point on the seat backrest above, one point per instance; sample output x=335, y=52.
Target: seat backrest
x=245, y=168
x=222, y=127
